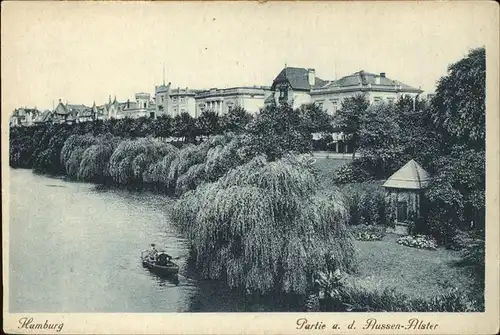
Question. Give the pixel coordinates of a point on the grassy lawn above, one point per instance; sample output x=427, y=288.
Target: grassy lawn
x=412, y=271
x=326, y=168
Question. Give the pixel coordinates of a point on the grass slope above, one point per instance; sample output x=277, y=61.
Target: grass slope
x=415, y=272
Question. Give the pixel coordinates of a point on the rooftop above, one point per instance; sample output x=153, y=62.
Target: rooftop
x=362, y=78
x=410, y=176
x=298, y=78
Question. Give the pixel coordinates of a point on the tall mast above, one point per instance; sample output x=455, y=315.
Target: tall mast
x=163, y=74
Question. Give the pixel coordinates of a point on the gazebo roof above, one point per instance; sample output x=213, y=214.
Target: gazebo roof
x=410, y=176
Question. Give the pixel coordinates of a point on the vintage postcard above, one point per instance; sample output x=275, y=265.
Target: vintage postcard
x=250, y=168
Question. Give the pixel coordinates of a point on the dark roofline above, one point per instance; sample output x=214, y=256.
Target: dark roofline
x=365, y=88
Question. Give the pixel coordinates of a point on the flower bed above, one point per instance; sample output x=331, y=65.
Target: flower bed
x=368, y=232
x=418, y=241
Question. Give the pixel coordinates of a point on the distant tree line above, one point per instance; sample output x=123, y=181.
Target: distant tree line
x=273, y=131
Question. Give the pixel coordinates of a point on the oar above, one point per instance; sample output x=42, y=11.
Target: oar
x=179, y=257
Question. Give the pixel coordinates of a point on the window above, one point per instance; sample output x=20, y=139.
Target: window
x=336, y=105
x=144, y=105
x=162, y=98
x=283, y=93
x=377, y=99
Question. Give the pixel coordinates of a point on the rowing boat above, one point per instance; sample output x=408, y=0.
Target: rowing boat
x=167, y=268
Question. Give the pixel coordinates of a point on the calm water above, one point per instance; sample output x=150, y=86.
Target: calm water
x=74, y=248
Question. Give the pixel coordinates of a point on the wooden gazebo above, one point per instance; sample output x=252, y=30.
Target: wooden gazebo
x=404, y=190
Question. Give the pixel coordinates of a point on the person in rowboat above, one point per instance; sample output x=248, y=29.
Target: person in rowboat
x=152, y=253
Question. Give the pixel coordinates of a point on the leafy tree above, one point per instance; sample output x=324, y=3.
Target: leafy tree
x=458, y=107
x=458, y=185
x=236, y=120
x=275, y=131
x=379, y=138
x=316, y=120
x=163, y=126
x=208, y=123
x=456, y=194
x=348, y=119
x=184, y=125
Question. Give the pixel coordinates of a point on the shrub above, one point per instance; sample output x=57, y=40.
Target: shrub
x=366, y=203
x=351, y=173
x=436, y=225
x=418, y=241
x=262, y=228
x=338, y=293
x=473, y=257
x=368, y=233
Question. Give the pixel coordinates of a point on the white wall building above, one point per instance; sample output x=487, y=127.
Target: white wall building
x=298, y=86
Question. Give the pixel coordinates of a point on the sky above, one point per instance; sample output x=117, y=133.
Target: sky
x=83, y=52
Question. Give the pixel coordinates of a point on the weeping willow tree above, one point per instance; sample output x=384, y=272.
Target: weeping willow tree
x=222, y=158
x=190, y=180
x=158, y=172
x=72, y=152
x=133, y=157
x=95, y=159
x=188, y=156
x=188, y=170
x=263, y=228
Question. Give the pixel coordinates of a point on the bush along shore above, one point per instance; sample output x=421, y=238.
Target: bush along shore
x=255, y=210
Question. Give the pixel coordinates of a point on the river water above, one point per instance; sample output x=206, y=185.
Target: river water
x=74, y=248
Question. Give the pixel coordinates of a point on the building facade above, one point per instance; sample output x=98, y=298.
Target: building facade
x=182, y=100
x=24, y=117
x=223, y=100
x=293, y=85
x=298, y=86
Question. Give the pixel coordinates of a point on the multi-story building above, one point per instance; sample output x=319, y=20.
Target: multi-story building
x=70, y=113
x=298, y=86
x=142, y=106
x=293, y=85
x=182, y=100
x=24, y=117
x=162, y=99
x=223, y=100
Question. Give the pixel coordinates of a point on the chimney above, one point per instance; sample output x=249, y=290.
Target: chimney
x=311, y=76
x=382, y=74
